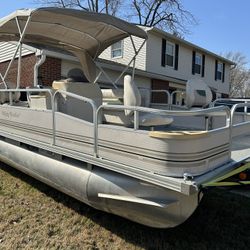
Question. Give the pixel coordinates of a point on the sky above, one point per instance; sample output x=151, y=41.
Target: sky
x=222, y=24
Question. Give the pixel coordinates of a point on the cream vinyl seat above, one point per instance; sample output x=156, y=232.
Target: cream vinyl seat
x=132, y=96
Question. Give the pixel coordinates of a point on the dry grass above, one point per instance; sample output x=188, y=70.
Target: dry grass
x=35, y=216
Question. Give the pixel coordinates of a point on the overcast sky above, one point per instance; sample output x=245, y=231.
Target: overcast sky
x=223, y=25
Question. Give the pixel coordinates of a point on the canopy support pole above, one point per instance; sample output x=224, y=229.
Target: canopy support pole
x=133, y=58
x=133, y=43
x=102, y=71
x=22, y=33
x=105, y=74
x=3, y=81
x=98, y=76
x=19, y=68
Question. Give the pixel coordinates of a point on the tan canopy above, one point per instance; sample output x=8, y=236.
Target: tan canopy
x=85, y=34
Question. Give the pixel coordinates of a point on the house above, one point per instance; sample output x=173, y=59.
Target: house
x=171, y=61
x=164, y=62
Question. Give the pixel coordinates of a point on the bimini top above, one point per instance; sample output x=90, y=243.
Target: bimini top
x=85, y=34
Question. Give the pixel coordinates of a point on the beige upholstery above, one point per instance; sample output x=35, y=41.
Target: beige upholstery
x=112, y=93
x=154, y=120
x=75, y=107
x=145, y=97
x=112, y=96
x=178, y=134
x=40, y=101
x=132, y=96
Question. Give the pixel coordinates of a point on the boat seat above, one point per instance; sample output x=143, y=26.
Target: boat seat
x=73, y=106
x=133, y=97
x=41, y=100
x=112, y=96
x=151, y=120
x=115, y=96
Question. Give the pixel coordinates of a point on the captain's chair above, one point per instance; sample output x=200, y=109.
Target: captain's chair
x=133, y=97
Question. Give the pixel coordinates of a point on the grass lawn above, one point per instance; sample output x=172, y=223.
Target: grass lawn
x=33, y=215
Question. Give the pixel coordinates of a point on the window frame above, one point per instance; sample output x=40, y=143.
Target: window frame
x=196, y=64
x=219, y=71
x=166, y=61
x=112, y=50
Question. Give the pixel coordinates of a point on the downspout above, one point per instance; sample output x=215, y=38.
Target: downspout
x=37, y=65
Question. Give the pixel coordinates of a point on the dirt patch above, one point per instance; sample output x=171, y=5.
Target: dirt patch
x=33, y=215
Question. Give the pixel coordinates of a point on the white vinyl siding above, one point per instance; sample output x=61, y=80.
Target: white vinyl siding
x=154, y=51
x=128, y=53
x=7, y=50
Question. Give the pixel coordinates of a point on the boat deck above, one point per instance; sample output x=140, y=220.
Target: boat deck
x=240, y=148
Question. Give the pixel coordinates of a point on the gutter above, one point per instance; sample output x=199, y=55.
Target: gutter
x=37, y=65
x=188, y=44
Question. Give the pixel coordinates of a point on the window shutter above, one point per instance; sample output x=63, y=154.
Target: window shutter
x=223, y=73
x=163, y=53
x=203, y=66
x=176, y=62
x=193, y=63
x=216, y=69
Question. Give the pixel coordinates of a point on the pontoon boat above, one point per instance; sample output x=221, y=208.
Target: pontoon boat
x=113, y=149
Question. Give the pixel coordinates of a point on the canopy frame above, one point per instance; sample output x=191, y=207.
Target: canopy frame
x=100, y=44
x=19, y=47
x=133, y=60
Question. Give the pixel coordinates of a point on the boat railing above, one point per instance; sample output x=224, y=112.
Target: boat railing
x=202, y=112
x=226, y=101
x=243, y=104
x=219, y=110
x=28, y=91
x=234, y=108
x=53, y=98
x=165, y=92
x=78, y=97
x=175, y=93
x=170, y=96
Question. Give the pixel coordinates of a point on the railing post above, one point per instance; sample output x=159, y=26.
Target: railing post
x=136, y=120
x=53, y=105
x=81, y=98
x=96, y=115
x=10, y=98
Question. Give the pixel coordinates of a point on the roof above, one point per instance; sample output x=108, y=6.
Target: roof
x=189, y=44
x=85, y=34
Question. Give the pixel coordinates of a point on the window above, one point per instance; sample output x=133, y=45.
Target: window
x=169, y=54
x=198, y=63
x=117, y=50
x=219, y=71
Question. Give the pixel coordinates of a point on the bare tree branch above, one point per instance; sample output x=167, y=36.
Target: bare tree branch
x=168, y=15
x=239, y=75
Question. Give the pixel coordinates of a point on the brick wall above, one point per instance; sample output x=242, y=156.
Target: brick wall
x=27, y=69
x=49, y=71
x=159, y=85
